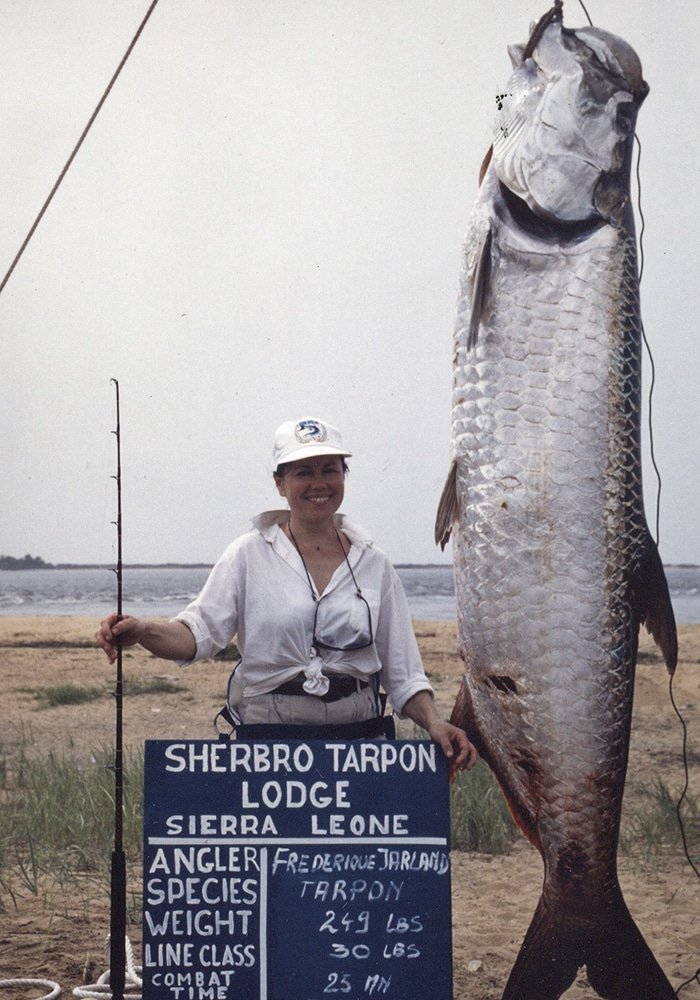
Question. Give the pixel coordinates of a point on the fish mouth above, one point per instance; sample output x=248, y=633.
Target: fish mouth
x=548, y=227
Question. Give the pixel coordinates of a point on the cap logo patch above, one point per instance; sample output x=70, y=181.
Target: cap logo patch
x=309, y=432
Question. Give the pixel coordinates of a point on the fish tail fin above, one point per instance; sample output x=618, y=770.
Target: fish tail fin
x=619, y=963
x=548, y=961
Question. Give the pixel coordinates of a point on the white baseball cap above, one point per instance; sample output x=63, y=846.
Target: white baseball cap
x=306, y=438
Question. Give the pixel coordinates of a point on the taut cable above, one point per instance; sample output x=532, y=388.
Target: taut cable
x=79, y=143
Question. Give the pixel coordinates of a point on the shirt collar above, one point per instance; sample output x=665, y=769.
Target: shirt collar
x=268, y=524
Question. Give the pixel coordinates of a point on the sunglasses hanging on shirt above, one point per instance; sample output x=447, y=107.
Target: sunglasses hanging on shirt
x=342, y=633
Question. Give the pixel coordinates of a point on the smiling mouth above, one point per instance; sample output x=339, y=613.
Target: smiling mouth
x=319, y=500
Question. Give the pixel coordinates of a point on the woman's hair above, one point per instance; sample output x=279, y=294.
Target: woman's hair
x=281, y=469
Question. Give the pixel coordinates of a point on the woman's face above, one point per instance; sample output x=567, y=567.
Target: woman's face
x=313, y=487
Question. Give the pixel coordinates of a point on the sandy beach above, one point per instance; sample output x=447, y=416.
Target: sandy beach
x=48, y=934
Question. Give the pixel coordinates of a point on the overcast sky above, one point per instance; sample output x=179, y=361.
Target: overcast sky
x=266, y=223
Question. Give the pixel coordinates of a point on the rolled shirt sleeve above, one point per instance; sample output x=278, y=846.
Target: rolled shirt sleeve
x=212, y=617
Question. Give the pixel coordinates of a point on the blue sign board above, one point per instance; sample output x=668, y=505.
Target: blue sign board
x=296, y=871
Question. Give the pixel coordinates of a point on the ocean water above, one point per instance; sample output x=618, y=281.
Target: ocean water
x=163, y=591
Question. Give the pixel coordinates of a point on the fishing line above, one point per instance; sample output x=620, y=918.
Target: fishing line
x=676, y=709
x=657, y=472
x=586, y=12
x=76, y=148
x=652, y=383
x=679, y=810
x=652, y=364
x=647, y=346
x=684, y=793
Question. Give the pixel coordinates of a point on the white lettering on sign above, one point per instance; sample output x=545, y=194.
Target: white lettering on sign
x=252, y=758
x=337, y=825
x=381, y=757
x=377, y=985
x=347, y=892
x=414, y=861
x=209, y=825
x=295, y=794
x=204, y=923
x=202, y=891
x=245, y=825
x=217, y=955
x=287, y=860
x=233, y=956
x=177, y=860
x=256, y=758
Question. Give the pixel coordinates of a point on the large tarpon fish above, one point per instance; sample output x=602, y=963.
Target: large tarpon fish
x=555, y=568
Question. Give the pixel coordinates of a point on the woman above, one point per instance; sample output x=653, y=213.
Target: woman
x=320, y=615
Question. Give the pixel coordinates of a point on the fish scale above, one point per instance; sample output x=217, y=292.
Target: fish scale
x=534, y=501
x=554, y=566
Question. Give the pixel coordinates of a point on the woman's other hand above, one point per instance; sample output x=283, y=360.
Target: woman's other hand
x=456, y=745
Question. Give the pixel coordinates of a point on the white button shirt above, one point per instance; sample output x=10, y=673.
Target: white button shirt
x=259, y=591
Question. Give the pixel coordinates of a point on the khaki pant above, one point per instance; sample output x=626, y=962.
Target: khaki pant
x=307, y=710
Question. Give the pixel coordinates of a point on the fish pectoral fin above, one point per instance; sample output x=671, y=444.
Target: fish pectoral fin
x=655, y=608
x=448, y=508
x=481, y=292
x=485, y=164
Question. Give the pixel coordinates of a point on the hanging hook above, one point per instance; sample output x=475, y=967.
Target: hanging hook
x=555, y=14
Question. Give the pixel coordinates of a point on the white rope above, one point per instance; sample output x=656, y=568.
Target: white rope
x=54, y=988
x=100, y=989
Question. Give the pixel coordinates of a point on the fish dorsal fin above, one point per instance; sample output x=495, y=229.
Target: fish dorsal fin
x=655, y=608
x=481, y=292
x=448, y=509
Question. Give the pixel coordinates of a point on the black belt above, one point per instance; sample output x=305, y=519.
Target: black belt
x=338, y=687
x=373, y=729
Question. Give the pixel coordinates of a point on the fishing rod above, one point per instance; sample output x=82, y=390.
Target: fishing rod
x=117, y=939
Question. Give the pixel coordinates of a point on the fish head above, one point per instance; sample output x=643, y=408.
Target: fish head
x=565, y=124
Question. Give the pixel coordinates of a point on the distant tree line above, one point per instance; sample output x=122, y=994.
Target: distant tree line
x=26, y=562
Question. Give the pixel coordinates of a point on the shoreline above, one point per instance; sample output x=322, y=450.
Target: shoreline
x=209, y=565
x=163, y=590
